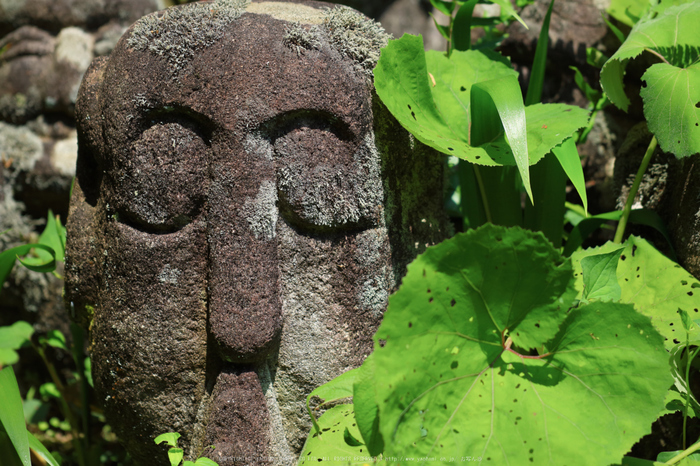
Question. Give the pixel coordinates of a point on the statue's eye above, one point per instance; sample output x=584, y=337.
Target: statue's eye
x=160, y=182
x=326, y=178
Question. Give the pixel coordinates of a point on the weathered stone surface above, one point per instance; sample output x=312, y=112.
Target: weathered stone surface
x=244, y=206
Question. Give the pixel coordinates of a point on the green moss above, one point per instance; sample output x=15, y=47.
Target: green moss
x=299, y=38
x=177, y=33
x=356, y=36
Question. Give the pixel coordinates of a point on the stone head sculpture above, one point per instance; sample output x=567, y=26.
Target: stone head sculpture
x=244, y=205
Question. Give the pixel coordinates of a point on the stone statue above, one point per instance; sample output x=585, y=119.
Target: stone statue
x=244, y=205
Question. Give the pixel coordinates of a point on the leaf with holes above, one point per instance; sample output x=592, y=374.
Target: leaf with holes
x=479, y=354
x=672, y=89
x=431, y=96
x=339, y=442
x=654, y=284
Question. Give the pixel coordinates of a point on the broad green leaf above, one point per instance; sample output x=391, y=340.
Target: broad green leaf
x=445, y=388
x=672, y=107
x=7, y=450
x=600, y=276
x=366, y=409
x=655, y=284
x=628, y=11
x=13, y=337
x=671, y=34
x=629, y=461
x=657, y=287
x=678, y=368
x=12, y=415
x=170, y=438
x=41, y=450
x=439, y=115
x=329, y=446
x=336, y=389
x=175, y=456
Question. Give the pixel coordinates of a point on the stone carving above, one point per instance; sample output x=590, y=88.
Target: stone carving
x=244, y=205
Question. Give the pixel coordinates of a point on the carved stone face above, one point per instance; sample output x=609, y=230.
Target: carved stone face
x=237, y=227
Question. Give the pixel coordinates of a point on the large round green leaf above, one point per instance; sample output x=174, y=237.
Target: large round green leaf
x=450, y=383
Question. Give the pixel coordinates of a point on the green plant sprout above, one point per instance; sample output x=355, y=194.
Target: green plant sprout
x=175, y=454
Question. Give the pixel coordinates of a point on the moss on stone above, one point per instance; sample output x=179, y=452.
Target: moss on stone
x=299, y=39
x=356, y=36
x=177, y=33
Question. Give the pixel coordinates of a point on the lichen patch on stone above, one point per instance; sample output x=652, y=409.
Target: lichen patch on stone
x=355, y=36
x=291, y=12
x=300, y=39
x=178, y=33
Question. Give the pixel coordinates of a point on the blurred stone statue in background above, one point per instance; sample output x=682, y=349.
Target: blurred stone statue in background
x=244, y=205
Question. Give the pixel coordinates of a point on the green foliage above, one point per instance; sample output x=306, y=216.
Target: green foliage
x=15, y=440
x=176, y=454
x=672, y=89
x=12, y=338
x=488, y=349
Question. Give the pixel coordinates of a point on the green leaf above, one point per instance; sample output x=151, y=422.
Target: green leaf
x=507, y=10
x=664, y=456
x=12, y=415
x=672, y=107
x=440, y=115
x=443, y=6
x=8, y=257
x=655, y=284
x=49, y=390
x=501, y=99
x=336, y=389
x=175, y=456
x=539, y=63
x=657, y=287
x=443, y=30
x=444, y=388
x=12, y=338
x=671, y=34
x=366, y=409
x=170, y=438
x=328, y=446
x=462, y=26
x=205, y=462
x=685, y=320
x=678, y=363
x=41, y=450
x=569, y=159
x=587, y=226
x=629, y=461
x=56, y=339
x=628, y=11
x=600, y=276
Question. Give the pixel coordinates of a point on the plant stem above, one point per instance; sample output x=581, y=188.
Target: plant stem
x=687, y=383
x=633, y=191
x=77, y=444
x=684, y=454
x=482, y=190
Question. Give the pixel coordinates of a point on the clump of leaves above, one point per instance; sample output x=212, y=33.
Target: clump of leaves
x=175, y=454
x=491, y=347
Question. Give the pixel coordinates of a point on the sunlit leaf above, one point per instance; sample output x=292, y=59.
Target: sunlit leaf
x=447, y=386
x=336, y=389
x=12, y=416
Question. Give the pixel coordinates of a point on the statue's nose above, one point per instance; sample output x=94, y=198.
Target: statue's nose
x=245, y=310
